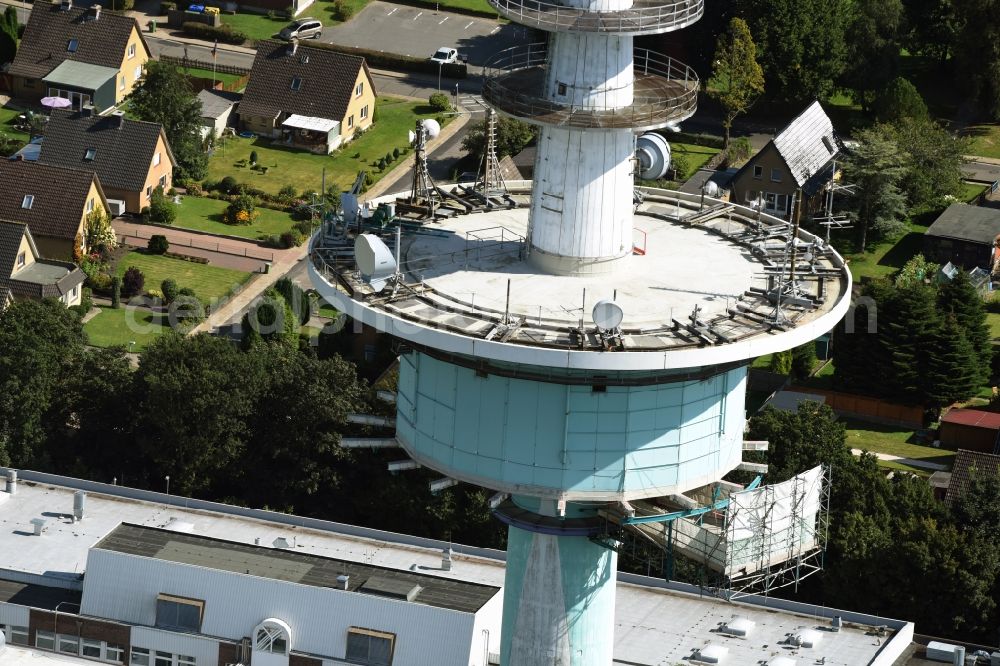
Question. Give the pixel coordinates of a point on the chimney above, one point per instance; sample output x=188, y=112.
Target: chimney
x=294, y=46
x=12, y=481
x=95, y=11
x=87, y=110
x=66, y=5
x=118, y=118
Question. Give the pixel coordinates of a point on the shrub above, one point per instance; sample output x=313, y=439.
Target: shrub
x=290, y=239
x=187, y=308
x=132, y=282
x=296, y=298
x=253, y=157
x=100, y=281
x=440, y=102
x=369, y=179
x=169, y=289
x=223, y=33
x=682, y=167
x=342, y=11
x=395, y=153
x=242, y=210
x=116, y=292
x=739, y=151
x=388, y=158
x=304, y=227
x=158, y=244
x=287, y=194
x=194, y=189
x=381, y=165
x=227, y=185
x=154, y=295
x=186, y=291
x=161, y=210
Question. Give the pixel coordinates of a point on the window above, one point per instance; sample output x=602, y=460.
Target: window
x=183, y=660
x=137, y=74
x=560, y=88
x=365, y=646
x=156, y=159
x=164, y=659
x=121, y=84
x=369, y=353
x=68, y=644
x=350, y=121
x=140, y=657
x=360, y=89
x=131, y=50
x=364, y=111
x=758, y=171
x=71, y=45
x=27, y=201
x=149, y=191
x=91, y=648
x=89, y=154
x=19, y=635
x=72, y=295
x=90, y=205
x=775, y=175
x=45, y=640
x=178, y=613
x=296, y=83
x=21, y=259
x=114, y=653
x=163, y=181
x=271, y=637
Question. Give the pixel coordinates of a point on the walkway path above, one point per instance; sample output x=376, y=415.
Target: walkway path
x=888, y=457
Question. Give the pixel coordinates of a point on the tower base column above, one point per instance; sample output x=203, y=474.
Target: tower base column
x=559, y=600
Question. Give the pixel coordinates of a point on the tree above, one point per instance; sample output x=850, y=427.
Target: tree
x=932, y=159
x=977, y=52
x=116, y=291
x=296, y=298
x=873, y=47
x=915, y=271
x=978, y=507
x=933, y=28
x=803, y=359
x=899, y=99
x=242, y=210
x=165, y=96
x=954, y=372
x=737, y=78
x=132, y=282
x=512, y=137
x=439, y=102
x=959, y=298
x=161, y=210
x=168, y=288
x=158, y=244
x=271, y=318
x=781, y=362
x=98, y=231
x=8, y=35
x=801, y=45
x=874, y=166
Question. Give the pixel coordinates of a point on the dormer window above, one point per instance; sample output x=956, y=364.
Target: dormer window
x=27, y=201
x=296, y=83
x=22, y=259
x=829, y=144
x=90, y=154
x=71, y=45
x=304, y=59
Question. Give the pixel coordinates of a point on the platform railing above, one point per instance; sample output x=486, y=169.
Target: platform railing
x=664, y=90
x=643, y=17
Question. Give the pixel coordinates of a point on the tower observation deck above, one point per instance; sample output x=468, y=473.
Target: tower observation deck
x=578, y=351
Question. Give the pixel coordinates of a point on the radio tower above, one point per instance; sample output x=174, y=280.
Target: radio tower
x=582, y=352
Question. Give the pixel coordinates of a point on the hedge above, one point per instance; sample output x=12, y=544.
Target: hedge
x=224, y=34
x=393, y=61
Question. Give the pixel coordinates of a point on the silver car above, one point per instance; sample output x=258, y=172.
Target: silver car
x=304, y=28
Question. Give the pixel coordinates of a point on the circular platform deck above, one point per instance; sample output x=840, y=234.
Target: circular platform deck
x=644, y=17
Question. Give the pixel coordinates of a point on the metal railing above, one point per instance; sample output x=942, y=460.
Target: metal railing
x=644, y=17
x=664, y=90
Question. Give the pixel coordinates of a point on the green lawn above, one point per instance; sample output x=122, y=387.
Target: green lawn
x=8, y=117
x=304, y=169
x=893, y=441
x=204, y=214
x=124, y=325
x=327, y=310
x=207, y=74
x=993, y=319
x=208, y=282
x=695, y=156
x=885, y=258
x=970, y=191
x=985, y=139
x=259, y=26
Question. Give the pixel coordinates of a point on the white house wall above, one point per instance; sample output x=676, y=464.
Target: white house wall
x=204, y=650
x=124, y=588
x=14, y=615
x=488, y=619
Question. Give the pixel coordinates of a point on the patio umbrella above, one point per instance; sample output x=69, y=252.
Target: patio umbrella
x=56, y=102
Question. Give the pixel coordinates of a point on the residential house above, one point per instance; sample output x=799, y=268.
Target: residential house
x=217, y=108
x=82, y=54
x=309, y=97
x=53, y=201
x=967, y=464
x=972, y=429
x=131, y=157
x=964, y=235
x=25, y=274
x=801, y=157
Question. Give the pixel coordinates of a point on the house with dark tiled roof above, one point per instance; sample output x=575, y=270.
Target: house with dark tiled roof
x=966, y=236
x=966, y=465
x=801, y=157
x=53, y=201
x=308, y=97
x=24, y=274
x=131, y=157
x=83, y=54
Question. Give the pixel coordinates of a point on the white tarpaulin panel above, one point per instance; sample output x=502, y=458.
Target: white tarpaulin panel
x=310, y=123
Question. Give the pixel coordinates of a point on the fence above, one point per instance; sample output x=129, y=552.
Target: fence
x=202, y=64
x=872, y=410
x=199, y=83
x=208, y=246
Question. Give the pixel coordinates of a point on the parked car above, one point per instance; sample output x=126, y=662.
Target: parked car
x=445, y=55
x=304, y=28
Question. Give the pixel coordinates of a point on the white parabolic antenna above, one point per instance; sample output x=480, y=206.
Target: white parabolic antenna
x=432, y=128
x=608, y=315
x=374, y=259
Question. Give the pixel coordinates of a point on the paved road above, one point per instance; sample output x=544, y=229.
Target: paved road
x=934, y=467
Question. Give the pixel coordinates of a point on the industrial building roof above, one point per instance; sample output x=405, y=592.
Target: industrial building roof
x=970, y=223
x=656, y=622
x=287, y=564
x=37, y=596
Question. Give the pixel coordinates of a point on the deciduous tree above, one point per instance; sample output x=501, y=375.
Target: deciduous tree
x=872, y=47
x=737, y=78
x=875, y=168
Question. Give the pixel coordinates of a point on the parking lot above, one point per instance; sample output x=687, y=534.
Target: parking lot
x=417, y=32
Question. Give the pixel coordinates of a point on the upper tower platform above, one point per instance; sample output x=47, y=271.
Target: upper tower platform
x=642, y=17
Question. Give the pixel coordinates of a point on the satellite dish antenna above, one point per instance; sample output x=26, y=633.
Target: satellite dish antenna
x=374, y=260
x=608, y=315
x=653, y=153
x=711, y=188
x=411, y=136
x=432, y=127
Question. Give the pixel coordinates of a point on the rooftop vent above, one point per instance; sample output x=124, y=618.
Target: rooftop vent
x=39, y=525
x=446, y=559
x=739, y=626
x=343, y=581
x=806, y=638
x=390, y=587
x=282, y=542
x=66, y=5
x=95, y=11
x=79, y=503
x=12, y=481
x=836, y=623
x=710, y=654
x=293, y=47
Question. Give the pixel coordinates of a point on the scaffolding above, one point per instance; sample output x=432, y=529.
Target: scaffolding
x=489, y=179
x=750, y=541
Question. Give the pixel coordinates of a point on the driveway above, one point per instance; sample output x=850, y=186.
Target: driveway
x=419, y=32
